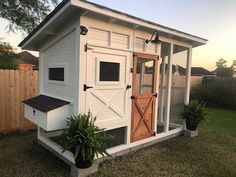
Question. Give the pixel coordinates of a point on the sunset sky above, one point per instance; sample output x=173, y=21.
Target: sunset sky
x=214, y=20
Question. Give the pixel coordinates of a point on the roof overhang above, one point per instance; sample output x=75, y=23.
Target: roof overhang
x=70, y=9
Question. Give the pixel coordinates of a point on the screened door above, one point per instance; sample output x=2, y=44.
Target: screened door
x=143, y=96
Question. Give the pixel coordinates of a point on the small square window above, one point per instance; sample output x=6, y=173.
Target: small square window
x=56, y=74
x=109, y=71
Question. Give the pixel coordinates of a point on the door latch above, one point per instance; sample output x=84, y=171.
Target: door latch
x=86, y=87
x=155, y=95
x=128, y=87
x=86, y=48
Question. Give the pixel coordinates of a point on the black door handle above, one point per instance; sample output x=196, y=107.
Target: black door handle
x=86, y=87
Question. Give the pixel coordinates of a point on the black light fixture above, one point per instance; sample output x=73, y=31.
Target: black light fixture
x=156, y=40
x=83, y=30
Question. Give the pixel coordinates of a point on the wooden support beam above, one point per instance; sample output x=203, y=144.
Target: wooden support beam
x=188, y=76
x=162, y=91
x=168, y=94
x=85, y=13
x=50, y=32
x=136, y=26
x=111, y=20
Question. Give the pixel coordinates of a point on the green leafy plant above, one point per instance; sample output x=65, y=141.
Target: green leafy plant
x=25, y=15
x=193, y=114
x=84, y=139
x=216, y=92
x=8, y=57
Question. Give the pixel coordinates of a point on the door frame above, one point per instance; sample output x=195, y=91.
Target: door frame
x=137, y=55
x=94, y=50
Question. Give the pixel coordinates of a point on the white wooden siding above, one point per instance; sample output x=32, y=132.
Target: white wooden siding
x=62, y=52
x=120, y=41
x=115, y=36
x=151, y=48
x=98, y=37
x=139, y=44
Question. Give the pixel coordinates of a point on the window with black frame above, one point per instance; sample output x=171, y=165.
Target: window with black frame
x=109, y=71
x=56, y=74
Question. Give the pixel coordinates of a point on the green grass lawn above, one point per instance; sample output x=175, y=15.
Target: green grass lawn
x=211, y=154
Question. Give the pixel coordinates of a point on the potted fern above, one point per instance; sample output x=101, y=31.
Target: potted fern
x=84, y=139
x=193, y=114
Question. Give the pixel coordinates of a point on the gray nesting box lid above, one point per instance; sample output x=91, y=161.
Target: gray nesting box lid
x=45, y=103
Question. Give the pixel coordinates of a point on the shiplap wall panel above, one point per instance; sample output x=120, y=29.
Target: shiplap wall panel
x=99, y=37
x=120, y=41
x=139, y=44
x=62, y=52
x=151, y=48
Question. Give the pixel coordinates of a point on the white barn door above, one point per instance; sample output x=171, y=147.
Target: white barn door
x=107, y=94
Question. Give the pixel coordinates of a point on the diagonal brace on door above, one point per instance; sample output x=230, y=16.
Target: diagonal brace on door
x=142, y=114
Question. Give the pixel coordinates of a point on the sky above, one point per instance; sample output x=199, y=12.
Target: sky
x=214, y=20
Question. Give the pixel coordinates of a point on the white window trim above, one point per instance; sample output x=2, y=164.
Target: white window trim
x=58, y=65
x=98, y=82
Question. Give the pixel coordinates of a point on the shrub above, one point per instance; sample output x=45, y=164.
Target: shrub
x=193, y=114
x=84, y=139
x=217, y=92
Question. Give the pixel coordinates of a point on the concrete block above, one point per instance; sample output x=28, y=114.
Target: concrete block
x=191, y=134
x=79, y=172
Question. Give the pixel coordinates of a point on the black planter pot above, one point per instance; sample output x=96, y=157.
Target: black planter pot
x=81, y=163
x=191, y=126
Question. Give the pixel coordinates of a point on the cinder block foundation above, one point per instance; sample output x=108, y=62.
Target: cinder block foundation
x=76, y=172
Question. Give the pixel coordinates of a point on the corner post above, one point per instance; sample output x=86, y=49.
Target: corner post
x=188, y=76
x=168, y=94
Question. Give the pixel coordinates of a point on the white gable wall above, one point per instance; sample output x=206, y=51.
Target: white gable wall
x=114, y=39
x=61, y=53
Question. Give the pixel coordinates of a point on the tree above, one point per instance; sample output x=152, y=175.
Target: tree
x=8, y=58
x=233, y=66
x=24, y=15
x=223, y=71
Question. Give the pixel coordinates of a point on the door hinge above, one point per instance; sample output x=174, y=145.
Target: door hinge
x=155, y=95
x=128, y=87
x=131, y=70
x=132, y=97
x=154, y=134
x=86, y=87
x=86, y=48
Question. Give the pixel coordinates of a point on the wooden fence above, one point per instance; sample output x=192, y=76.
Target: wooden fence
x=196, y=81
x=16, y=86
